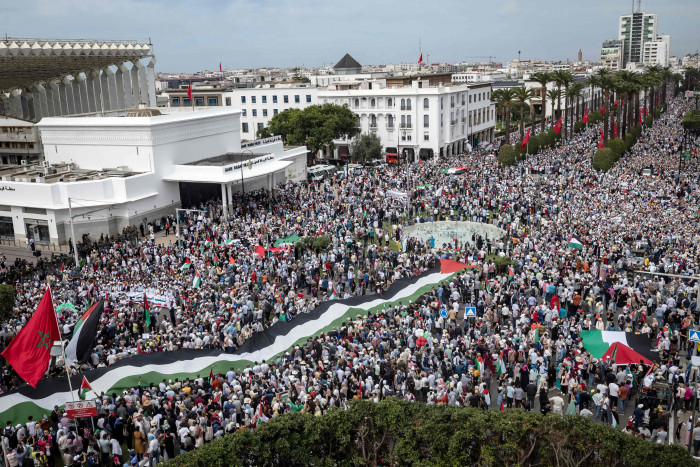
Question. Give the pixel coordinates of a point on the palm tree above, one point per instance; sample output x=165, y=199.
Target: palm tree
x=543, y=78
x=564, y=78
x=606, y=83
x=628, y=85
x=574, y=92
x=676, y=79
x=692, y=77
x=504, y=98
x=554, y=95
x=523, y=96
x=593, y=82
x=653, y=75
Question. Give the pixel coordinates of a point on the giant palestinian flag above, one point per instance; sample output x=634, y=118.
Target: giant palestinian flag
x=84, y=332
x=600, y=343
x=264, y=346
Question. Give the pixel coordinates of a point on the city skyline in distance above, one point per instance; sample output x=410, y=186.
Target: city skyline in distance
x=191, y=37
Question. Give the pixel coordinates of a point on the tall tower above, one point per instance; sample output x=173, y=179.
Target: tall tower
x=636, y=29
x=580, y=56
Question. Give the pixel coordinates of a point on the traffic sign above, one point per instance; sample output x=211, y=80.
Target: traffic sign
x=81, y=409
x=694, y=336
x=443, y=312
x=470, y=312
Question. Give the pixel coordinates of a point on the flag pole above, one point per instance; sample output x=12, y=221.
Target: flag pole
x=63, y=347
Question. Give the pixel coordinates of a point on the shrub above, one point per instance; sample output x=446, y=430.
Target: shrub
x=636, y=132
x=543, y=140
x=579, y=127
x=397, y=432
x=630, y=140
x=604, y=159
x=507, y=158
x=505, y=148
x=617, y=146
x=534, y=145
x=595, y=117
x=649, y=120
x=691, y=120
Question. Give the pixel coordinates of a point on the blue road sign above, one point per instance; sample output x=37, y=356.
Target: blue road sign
x=443, y=312
x=694, y=336
x=470, y=312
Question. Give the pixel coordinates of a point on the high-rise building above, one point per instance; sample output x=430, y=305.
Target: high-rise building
x=636, y=29
x=611, y=54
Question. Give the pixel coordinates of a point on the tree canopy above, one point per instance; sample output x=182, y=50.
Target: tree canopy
x=366, y=147
x=315, y=126
x=396, y=432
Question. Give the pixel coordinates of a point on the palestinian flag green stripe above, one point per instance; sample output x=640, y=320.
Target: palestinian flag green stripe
x=265, y=346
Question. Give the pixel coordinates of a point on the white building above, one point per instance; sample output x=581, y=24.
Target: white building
x=120, y=171
x=657, y=52
x=611, y=54
x=638, y=29
x=418, y=119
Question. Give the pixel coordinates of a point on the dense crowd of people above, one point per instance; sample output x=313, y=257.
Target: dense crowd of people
x=523, y=350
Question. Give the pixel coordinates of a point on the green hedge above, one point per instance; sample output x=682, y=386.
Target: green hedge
x=604, y=159
x=579, y=127
x=595, y=117
x=395, y=432
x=508, y=157
x=649, y=120
x=630, y=140
x=691, y=120
x=617, y=146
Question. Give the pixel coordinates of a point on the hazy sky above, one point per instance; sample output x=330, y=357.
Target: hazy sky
x=195, y=35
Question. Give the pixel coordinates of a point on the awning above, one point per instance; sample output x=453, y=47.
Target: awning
x=215, y=174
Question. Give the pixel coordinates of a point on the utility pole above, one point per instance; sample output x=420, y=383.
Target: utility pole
x=72, y=232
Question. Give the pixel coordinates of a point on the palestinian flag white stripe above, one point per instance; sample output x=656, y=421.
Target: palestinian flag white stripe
x=575, y=243
x=19, y=404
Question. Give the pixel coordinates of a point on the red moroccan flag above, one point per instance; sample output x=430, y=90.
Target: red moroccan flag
x=420, y=59
x=615, y=130
x=557, y=126
x=600, y=143
x=29, y=352
x=525, y=140
x=602, y=110
x=585, y=117
x=189, y=90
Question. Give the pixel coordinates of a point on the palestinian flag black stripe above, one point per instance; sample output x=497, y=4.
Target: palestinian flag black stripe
x=264, y=346
x=78, y=349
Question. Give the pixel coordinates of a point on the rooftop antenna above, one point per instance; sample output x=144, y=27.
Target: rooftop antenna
x=639, y=6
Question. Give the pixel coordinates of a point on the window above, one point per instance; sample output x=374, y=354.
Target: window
x=408, y=104
x=452, y=101
x=426, y=121
x=373, y=102
x=186, y=102
x=403, y=121
x=176, y=102
x=470, y=99
x=442, y=103
x=286, y=99
x=373, y=121
x=389, y=102
x=242, y=99
x=255, y=112
x=228, y=102
x=245, y=127
x=426, y=103
x=426, y=136
x=296, y=98
x=264, y=112
x=274, y=99
x=390, y=121
x=274, y=112
x=308, y=98
x=252, y=99
x=213, y=101
x=245, y=113
x=357, y=103
x=199, y=101
x=408, y=121
x=260, y=126
x=264, y=99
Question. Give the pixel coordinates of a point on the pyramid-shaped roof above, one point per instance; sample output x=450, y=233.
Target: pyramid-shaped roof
x=347, y=62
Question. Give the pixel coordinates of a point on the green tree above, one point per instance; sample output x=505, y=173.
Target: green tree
x=7, y=302
x=315, y=126
x=575, y=92
x=366, y=147
x=542, y=78
x=522, y=97
x=564, y=78
x=604, y=159
x=604, y=80
x=504, y=97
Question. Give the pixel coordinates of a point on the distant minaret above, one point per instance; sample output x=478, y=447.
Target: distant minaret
x=580, y=56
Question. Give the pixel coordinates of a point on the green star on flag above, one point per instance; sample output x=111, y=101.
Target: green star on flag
x=44, y=340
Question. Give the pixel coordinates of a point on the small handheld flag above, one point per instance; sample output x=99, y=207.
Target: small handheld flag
x=575, y=243
x=85, y=389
